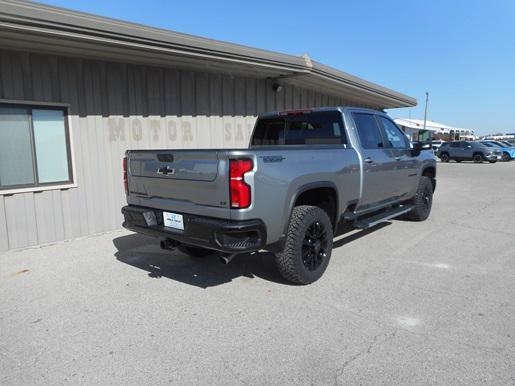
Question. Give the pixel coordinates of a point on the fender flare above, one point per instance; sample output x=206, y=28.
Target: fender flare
x=305, y=188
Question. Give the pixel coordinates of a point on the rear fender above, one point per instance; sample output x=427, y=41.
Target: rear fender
x=305, y=188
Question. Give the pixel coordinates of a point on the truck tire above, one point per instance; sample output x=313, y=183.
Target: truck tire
x=308, y=246
x=194, y=251
x=422, y=201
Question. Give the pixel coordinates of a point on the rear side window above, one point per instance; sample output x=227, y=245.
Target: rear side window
x=455, y=144
x=316, y=128
x=368, y=131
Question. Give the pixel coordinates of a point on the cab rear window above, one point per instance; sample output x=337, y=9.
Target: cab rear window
x=313, y=128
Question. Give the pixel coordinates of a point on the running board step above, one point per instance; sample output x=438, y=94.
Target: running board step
x=368, y=222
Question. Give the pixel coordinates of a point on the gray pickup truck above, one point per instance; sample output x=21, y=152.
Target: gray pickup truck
x=305, y=172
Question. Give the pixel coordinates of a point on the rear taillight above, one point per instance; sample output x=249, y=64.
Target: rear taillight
x=240, y=191
x=125, y=180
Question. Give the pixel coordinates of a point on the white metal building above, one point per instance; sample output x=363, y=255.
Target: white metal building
x=414, y=128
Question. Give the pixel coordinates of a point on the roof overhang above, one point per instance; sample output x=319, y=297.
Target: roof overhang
x=41, y=28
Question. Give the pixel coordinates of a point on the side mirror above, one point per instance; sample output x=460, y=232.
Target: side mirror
x=418, y=147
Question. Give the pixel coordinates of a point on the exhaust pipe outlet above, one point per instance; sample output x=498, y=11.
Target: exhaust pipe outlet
x=226, y=258
x=169, y=244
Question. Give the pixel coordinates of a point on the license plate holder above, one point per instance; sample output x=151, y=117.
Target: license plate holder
x=173, y=220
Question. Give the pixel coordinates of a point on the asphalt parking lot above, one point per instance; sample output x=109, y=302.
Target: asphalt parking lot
x=404, y=303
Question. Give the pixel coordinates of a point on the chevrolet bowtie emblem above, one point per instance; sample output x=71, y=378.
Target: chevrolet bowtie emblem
x=166, y=170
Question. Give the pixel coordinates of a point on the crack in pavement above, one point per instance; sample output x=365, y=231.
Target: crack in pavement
x=355, y=357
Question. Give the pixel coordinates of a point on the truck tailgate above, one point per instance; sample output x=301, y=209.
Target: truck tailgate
x=193, y=181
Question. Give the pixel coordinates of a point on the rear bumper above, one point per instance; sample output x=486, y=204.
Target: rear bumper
x=206, y=232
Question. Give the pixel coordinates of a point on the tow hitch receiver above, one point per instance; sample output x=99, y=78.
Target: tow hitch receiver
x=169, y=244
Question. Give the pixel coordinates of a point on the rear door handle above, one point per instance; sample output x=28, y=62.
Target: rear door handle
x=397, y=158
x=368, y=160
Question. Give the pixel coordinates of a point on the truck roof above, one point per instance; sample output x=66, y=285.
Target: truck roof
x=271, y=114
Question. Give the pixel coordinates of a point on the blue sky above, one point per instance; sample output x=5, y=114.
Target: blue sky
x=461, y=52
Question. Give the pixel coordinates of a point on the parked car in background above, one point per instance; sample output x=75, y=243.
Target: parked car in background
x=436, y=143
x=508, y=152
x=468, y=151
x=508, y=144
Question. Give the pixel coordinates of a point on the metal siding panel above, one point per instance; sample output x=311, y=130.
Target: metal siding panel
x=288, y=97
x=311, y=98
x=250, y=97
x=105, y=180
x=136, y=83
x=4, y=238
x=45, y=217
x=58, y=214
x=95, y=175
x=261, y=96
x=228, y=137
x=172, y=89
x=115, y=87
x=75, y=81
x=215, y=94
x=12, y=76
x=227, y=95
x=270, y=96
x=42, y=82
x=69, y=84
x=83, y=173
x=304, y=99
x=27, y=75
x=204, y=133
x=30, y=219
x=115, y=149
x=296, y=98
x=17, y=225
x=202, y=93
x=20, y=220
x=187, y=93
x=3, y=71
x=323, y=100
x=239, y=96
x=331, y=100
x=92, y=80
x=70, y=222
x=280, y=99
x=318, y=99
x=217, y=127
x=155, y=92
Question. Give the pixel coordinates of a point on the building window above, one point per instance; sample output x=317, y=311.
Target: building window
x=34, y=147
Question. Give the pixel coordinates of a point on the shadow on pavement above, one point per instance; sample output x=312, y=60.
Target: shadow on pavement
x=343, y=230
x=143, y=252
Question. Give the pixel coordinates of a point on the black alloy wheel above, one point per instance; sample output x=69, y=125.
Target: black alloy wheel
x=314, y=246
x=478, y=158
